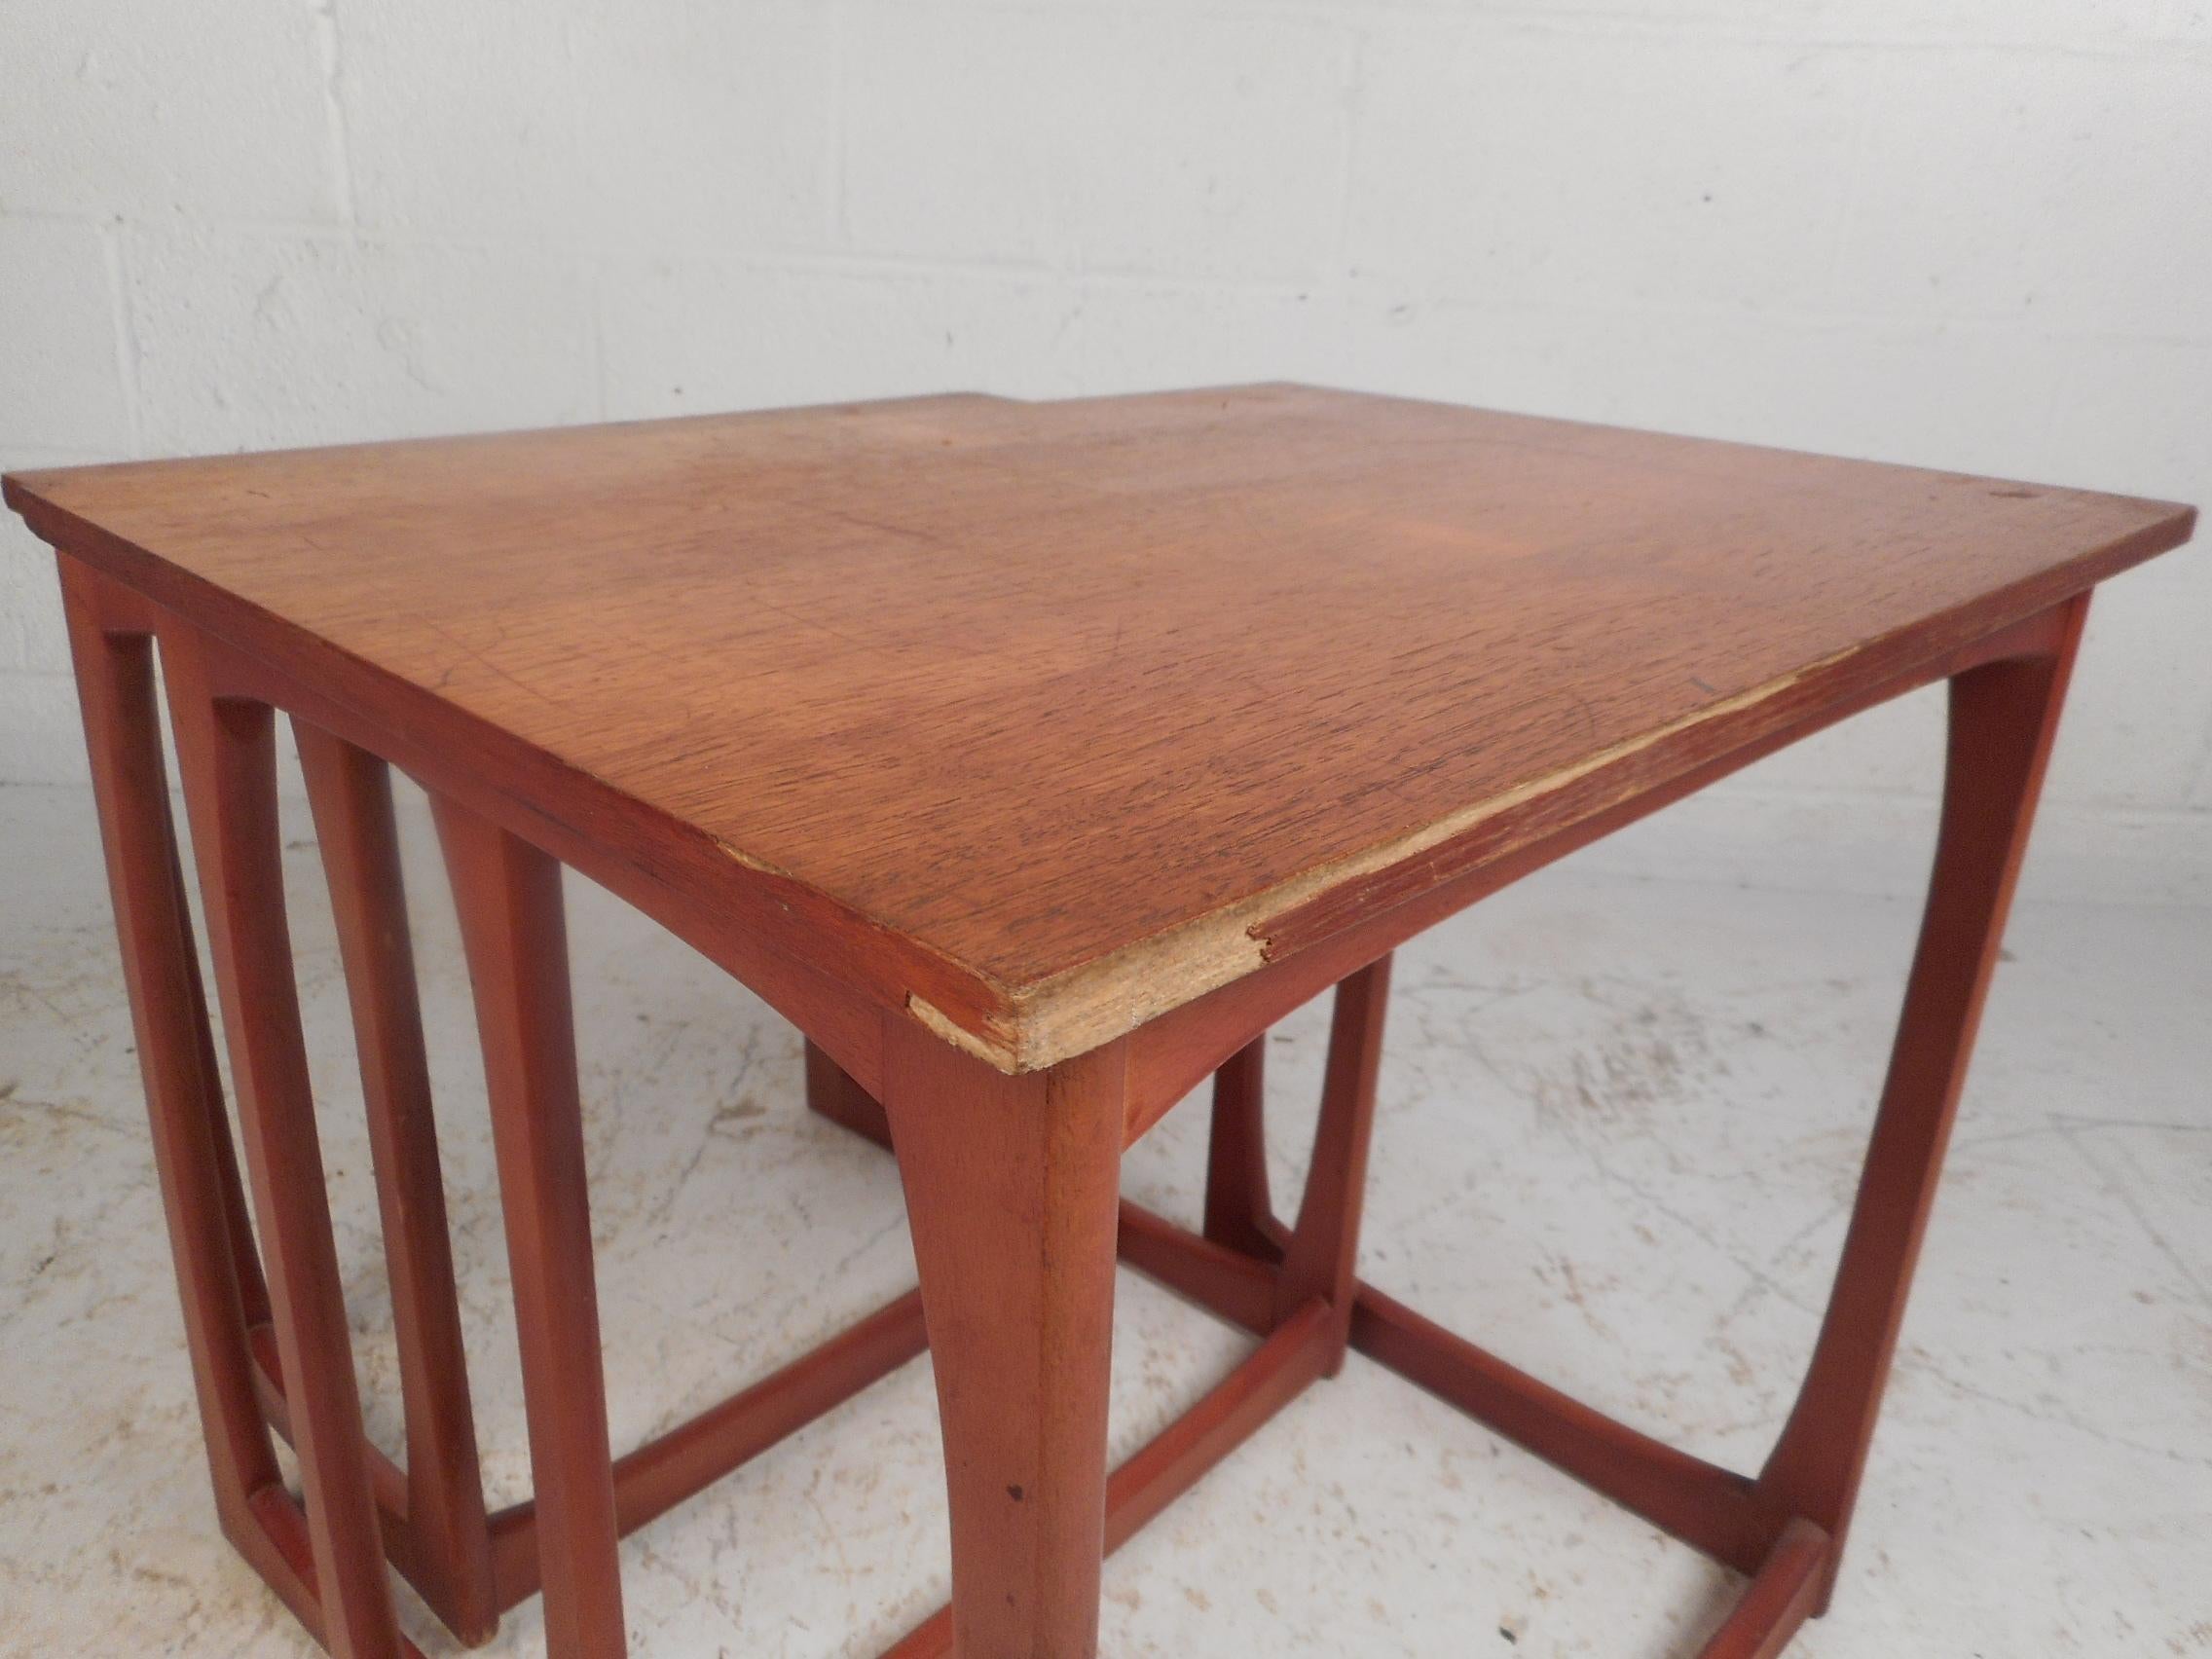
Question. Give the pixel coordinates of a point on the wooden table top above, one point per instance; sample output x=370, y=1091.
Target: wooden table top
x=1060, y=710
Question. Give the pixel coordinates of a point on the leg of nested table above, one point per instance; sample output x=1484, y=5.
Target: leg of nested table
x=226, y=756
x=1011, y=1194
x=1320, y=1253
x=2004, y=718
x=831, y=1095
x=509, y=895
x=193, y=1160
x=1239, y=1214
x=349, y=792
x=238, y=1226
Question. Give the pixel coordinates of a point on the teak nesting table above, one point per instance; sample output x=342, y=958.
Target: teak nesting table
x=1032, y=758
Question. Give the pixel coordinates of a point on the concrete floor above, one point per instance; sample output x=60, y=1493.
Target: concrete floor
x=1619, y=1129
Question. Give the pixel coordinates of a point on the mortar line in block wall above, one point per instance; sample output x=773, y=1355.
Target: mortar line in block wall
x=126, y=331
x=1347, y=160
x=334, y=112
x=1640, y=26
x=834, y=226
x=801, y=261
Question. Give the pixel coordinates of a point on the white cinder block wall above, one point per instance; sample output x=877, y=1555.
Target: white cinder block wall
x=1974, y=234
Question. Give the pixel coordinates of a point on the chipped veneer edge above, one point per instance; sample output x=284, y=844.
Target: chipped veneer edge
x=997, y=1057
x=1074, y=1011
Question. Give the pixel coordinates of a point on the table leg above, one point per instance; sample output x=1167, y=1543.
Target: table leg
x=218, y=1276
x=1012, y=1195
x=349, y=793
x=508, y=895
x=2004, y=718
x=1321, y=1252
x=1238, y=1208
x=227, y=758
x=831, y=1095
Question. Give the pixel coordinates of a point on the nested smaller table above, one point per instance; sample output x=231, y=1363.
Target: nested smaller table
x=1032, y=759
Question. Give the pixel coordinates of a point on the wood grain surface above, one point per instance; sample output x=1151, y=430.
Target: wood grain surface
x=1036, y=717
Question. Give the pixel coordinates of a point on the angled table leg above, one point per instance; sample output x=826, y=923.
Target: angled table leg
x=509, y=895
x=2004, y=718
x=1238, y=1211
x=1303, y=1310
x=1237, y=1205
x=1321, y=1252
x=219, y=1275
x=1012, y=1195
x=349, y=792
x=831, y=1095
x=226, y=756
